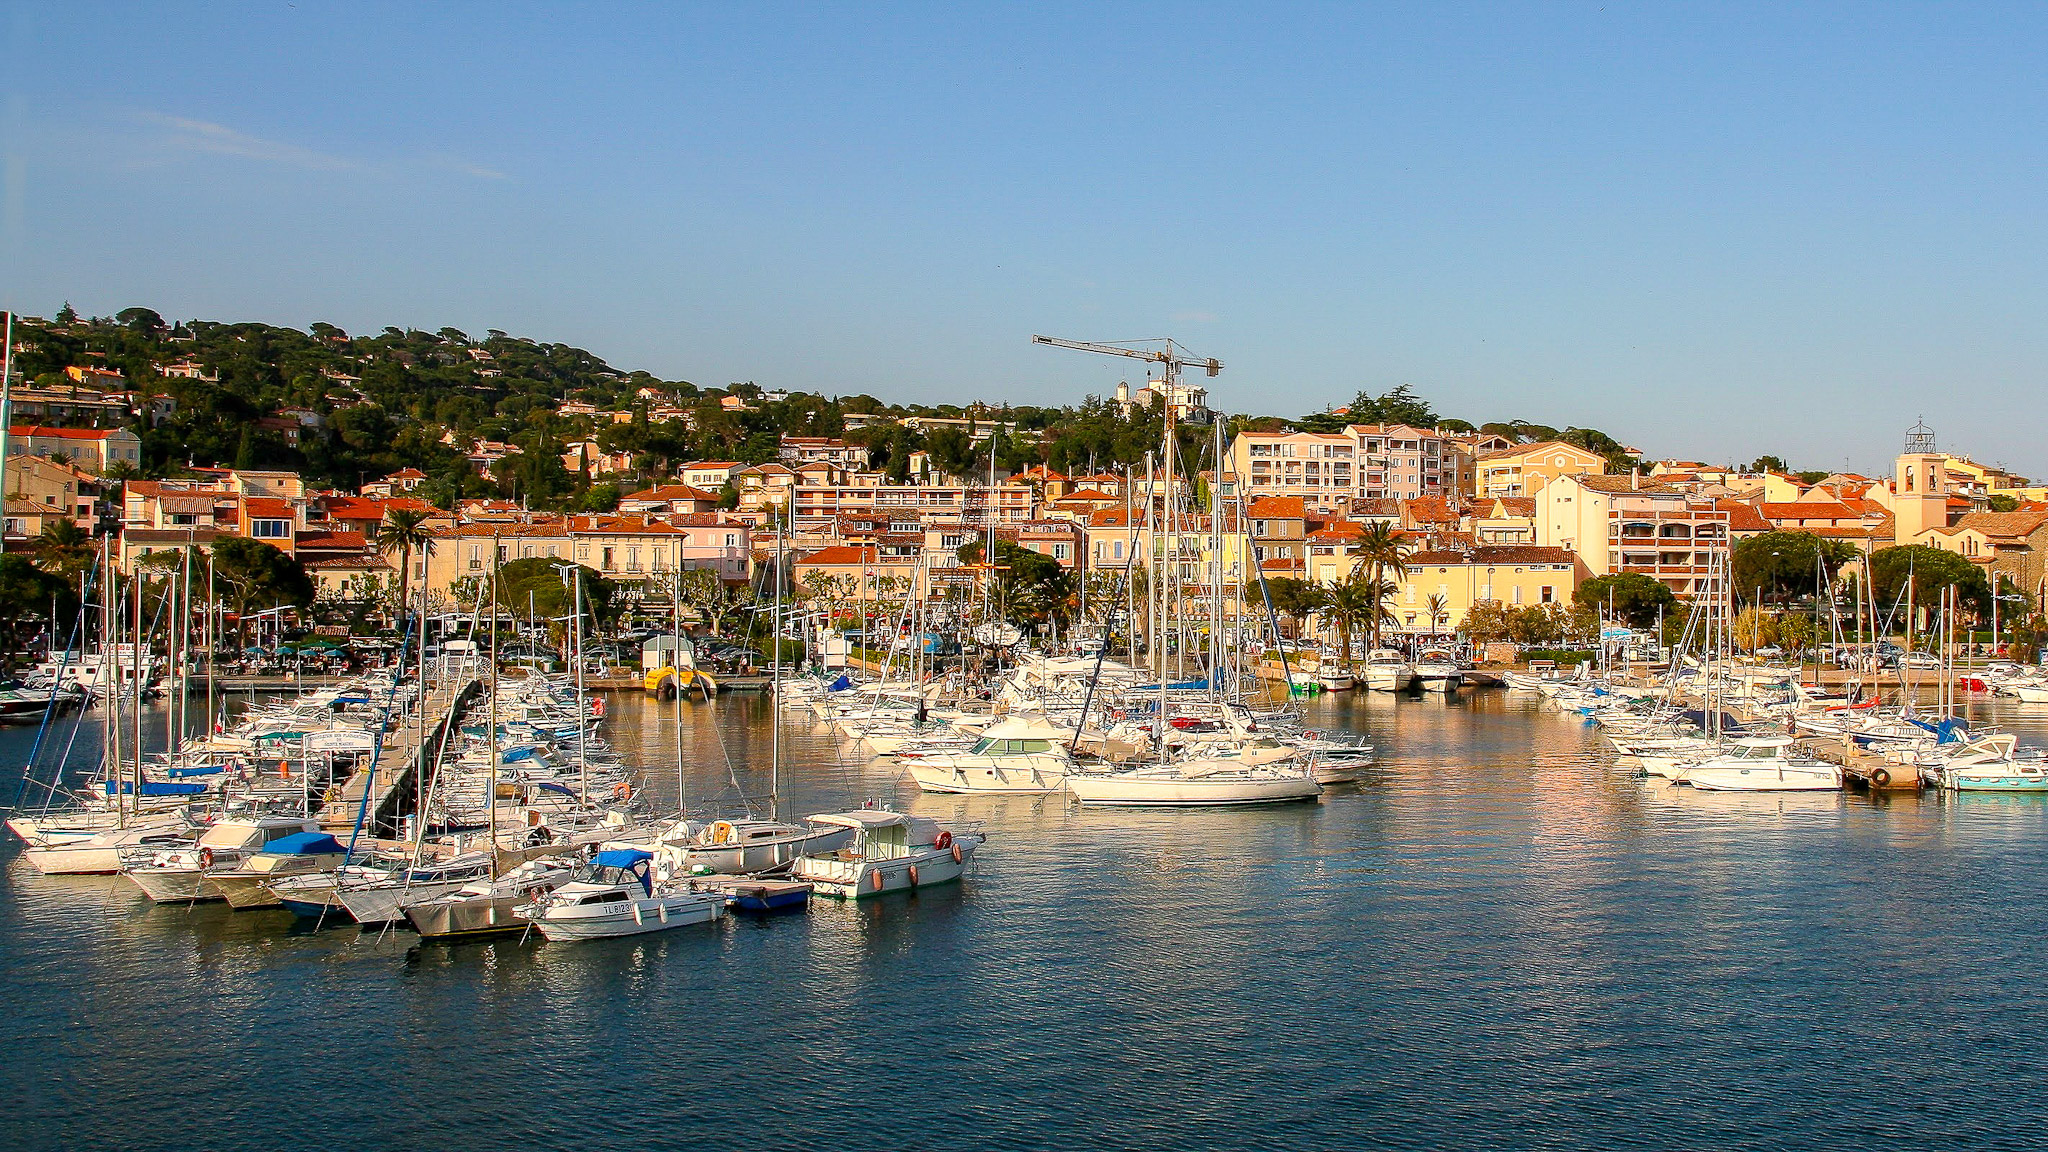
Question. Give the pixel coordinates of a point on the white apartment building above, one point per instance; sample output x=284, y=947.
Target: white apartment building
x=1386, y=462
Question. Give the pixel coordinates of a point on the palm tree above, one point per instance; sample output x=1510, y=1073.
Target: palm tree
x=404, y=529
x=1439, y=607
x=1380, y=550
x=1358, y=599
x=63, y=549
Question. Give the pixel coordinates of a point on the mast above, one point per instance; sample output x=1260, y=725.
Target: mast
x=491, y=784
x=110, y=720
x=582, y=708
x=775, y=679
x=676, y=610
x=136, y=650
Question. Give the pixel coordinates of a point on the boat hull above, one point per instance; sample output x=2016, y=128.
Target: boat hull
x=173, y=885
x=1765, y=779
x=1133, y=791
x=478, y=916
x=958, y=776
x=862, y=879
x=629, y=917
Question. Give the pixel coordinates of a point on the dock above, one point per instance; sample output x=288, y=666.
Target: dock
x=392, y=784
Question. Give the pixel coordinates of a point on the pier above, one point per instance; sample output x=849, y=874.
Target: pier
x=392, y=784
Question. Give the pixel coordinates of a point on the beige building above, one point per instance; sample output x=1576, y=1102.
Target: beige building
x=1524, y=469
x=93, y=449
x=1512, y=574
x=1368, y=461
x=1627, y=524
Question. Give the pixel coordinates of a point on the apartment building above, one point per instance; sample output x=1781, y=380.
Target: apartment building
x=1455, y=579
x=1524, y=469
x=1627, y=524
x=1371, y=461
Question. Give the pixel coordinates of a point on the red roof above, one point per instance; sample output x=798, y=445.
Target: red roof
x=62, y=433
x=671, y=492
x=841, y=554
x=337, y=541
x=268, y=507
x=1279, y=508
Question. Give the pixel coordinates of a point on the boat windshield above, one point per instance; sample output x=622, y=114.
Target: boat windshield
x=989, y=746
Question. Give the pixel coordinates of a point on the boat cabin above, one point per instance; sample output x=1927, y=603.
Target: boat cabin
x=611, y=871
x=882, y=835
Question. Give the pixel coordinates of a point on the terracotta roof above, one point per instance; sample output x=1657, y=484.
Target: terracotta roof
x=1808, y=510
x=841, y=554
x=671, y=492
x=2012, y=524
x=1429, y=510
x=1339, y=531
x=268, y=507
x=1516, y=505
x=1087, y=495
x=1279, y=508
x=1741, y=517
x=63, y=433
x=1623, y=484
x=337, y=541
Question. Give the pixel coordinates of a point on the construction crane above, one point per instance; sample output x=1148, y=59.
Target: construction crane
x=1170, y=356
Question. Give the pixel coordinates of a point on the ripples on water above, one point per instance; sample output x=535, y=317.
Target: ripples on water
x=1497, y=941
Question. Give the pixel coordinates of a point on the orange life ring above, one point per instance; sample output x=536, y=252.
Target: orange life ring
x=877, y=874
x=622, y=791
x=956, y=853
x=943, y=841
x=913, y=875
x=206, y=857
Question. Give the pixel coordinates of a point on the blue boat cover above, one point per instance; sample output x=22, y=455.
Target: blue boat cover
x=304, y=844
x=558, y=788
x=622, y=857
x=201, y=770
x=155, y=788
x=518, y=754
x=842, y=684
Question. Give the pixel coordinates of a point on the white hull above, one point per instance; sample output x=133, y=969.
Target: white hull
x=1337, y=681
x=746, y=859
x=858, y=879
x=958, y=776
x=1385, y=679
x=100, y=854
x=633, y=917
x=173, y=885
x=383, y=904
x=1766, y=778
x=1170, y=790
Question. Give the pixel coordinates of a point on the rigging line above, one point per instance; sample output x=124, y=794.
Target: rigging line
x=56, y=685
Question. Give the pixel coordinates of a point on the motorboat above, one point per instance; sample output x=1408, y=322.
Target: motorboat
x=1385, y=670
x=1989, y=764
x=617, y=895
x=1336, y=680
x=1436, y=670
x=178, y=875
x=1193, y=784
x=1018, y=755
x=890, y=852
x=1762, y=764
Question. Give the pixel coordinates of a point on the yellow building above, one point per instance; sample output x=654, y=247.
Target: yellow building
x=1512, y=574
x=1524, y=469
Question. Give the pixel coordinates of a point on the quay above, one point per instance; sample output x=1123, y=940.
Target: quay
x=392, y=784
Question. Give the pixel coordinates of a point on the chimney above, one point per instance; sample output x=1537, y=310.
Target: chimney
x=1635, y=480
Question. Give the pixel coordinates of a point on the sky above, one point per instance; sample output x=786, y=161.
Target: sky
x=1712, y=231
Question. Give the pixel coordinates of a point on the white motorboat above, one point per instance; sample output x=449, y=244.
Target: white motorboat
x=617, y=895
x=178, y=875
x=1193, y=784
x=1762, y=764
x=1384, y=670
x=890, y=852
x=1436, y=670
x=1336, y=680
x=1014, y=756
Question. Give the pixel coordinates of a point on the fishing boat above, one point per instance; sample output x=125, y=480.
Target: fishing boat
x=617, y=895
x=1015, y=756
x=890, y=852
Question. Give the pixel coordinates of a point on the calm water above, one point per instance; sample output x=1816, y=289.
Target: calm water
x=1497, y=942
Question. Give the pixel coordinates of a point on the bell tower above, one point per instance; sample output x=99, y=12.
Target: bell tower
x=1919, y=486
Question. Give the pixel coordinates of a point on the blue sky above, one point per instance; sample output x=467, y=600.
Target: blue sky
x=1712, y=232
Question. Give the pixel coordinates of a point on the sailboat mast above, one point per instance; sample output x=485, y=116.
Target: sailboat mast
x=110, y=719
x=491, y=723
x=676, y=611
x=775, y=682
x=140, y=666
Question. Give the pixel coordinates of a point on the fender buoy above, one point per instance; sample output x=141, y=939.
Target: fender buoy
x=284, y=771
x=943, y=841
x=206, y=857
x=913, y=875
x=956, y=853
x=1881, y=777
x=722, y=833
x=877, y=874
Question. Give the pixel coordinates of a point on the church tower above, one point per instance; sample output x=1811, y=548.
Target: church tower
x=1919, y=486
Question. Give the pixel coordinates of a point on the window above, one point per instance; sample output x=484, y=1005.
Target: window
x=1548, y=593
x=270, y=529
x=607, y=560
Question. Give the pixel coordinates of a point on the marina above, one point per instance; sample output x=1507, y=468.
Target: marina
x=1589, y=921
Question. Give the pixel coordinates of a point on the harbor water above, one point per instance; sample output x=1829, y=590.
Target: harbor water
x=1497, y=940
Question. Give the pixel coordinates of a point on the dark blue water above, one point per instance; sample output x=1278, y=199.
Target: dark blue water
x=1498, y=942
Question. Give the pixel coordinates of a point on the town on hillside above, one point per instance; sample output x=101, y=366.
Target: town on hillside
x=412, y=462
